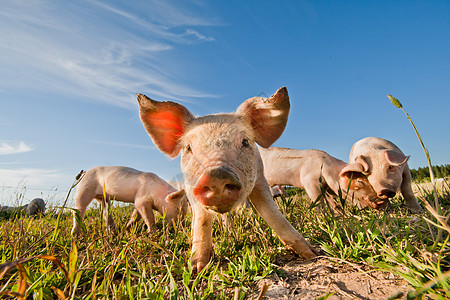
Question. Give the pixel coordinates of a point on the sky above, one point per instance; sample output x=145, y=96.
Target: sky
x=70, y=72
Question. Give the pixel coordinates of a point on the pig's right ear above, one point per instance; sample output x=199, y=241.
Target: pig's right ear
x=176, y=197
x=267, y=116
x=361, y=159
x=165, y=122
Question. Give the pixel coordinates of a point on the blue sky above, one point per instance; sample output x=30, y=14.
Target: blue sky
x=70, y=71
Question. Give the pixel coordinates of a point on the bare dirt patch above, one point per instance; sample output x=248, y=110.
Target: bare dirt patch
x=324, y=275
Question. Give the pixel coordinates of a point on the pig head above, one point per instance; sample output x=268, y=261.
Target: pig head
x=386, y=168
x=220, y=162
x=355, y=183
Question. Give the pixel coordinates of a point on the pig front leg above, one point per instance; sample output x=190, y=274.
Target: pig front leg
x=264, y=204
x=314, y=192
x=82, y=199
x=145, y=210
x=135, y=216
x=407, y=192
x=202, y=236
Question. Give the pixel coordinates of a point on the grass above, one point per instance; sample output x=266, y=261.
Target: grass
x=42, y=262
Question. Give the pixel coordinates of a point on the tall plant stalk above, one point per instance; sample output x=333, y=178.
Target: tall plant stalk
x=397, y=103
x=436, y=212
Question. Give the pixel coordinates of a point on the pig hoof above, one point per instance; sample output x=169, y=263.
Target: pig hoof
x=200, y=262
x=309, y=254
x=415, y=210
x=200, y=266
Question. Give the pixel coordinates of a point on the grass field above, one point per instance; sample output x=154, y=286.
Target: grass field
x=40, y=260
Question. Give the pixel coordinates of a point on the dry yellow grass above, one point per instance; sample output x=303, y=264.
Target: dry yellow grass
x=441, y=183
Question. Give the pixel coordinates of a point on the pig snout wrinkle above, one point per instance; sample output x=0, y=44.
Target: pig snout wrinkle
x=217, y=186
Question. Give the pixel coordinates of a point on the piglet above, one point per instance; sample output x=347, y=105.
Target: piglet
x=221, y=164
x=319, y=174
x=278, y=191
x=386, y=168
x=35, y=208
x=147, y=191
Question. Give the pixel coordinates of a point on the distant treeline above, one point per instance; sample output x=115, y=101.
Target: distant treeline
x=423, y=174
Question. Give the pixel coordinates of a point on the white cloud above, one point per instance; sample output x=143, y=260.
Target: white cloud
x=199, y=36
x=6, y=148
x=125, y=145
x=27, y=183
x=33, y=181
x=94, y=50
x=12, y=177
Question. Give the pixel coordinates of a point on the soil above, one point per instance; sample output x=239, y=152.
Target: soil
x=325, y=275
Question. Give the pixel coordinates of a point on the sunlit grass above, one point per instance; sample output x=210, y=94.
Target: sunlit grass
x=136, y=265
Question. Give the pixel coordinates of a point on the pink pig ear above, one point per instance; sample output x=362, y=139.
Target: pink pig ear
x=349, y=169
x=176, y=197
x=396, y=158
x=365, y=165
x=165, y=122
x=267, y=116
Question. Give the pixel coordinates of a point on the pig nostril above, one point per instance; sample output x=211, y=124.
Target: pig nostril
x=233, y=187
x=386, y=194
x=203, y=190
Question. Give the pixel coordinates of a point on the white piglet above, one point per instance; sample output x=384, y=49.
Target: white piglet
x=221, y=164
x=319, y=174
x=147, y=191
x=386, y=168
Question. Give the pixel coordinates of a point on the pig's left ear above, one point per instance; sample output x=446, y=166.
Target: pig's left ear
x=176, y=197
x=350, y=169
x=165, y=122
x=396, y=158
x=267, y=116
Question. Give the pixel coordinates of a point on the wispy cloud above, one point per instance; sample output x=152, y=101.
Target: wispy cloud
x=7, y=148
x=107, y=56
x=199, y=36
x=125, y=145
x=28, y=176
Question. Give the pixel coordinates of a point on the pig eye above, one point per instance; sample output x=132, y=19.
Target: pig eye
x=188, y=148
x=245, y=143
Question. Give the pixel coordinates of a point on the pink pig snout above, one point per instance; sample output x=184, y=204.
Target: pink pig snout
x=386, y=193
x=218, y=188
